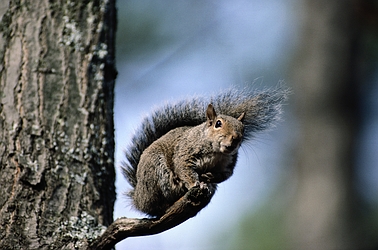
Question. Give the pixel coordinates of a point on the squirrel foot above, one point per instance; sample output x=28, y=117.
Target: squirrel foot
x=206, y=188
x=203, y=186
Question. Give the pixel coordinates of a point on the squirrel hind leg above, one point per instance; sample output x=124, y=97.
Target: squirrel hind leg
x=146, y=196
x=157, y=187
x=147, y=201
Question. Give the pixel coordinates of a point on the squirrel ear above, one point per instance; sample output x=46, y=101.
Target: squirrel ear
x=241, y=117
x=210, y=114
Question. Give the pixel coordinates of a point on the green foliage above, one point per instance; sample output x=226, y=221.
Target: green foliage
x=261, y=229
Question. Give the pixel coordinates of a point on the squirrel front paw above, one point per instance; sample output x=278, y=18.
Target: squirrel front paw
x=208, y=188
x=201, y=185
x=207, y=177
x=217, y=177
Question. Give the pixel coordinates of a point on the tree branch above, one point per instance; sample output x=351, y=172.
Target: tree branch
x=183, y=209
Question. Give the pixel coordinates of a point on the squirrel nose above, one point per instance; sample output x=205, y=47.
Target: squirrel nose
x=232, y=142
x=235, y=139
x=231, y=147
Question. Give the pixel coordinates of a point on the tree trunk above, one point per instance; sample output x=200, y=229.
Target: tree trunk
x=56, y=122
x=324, y=74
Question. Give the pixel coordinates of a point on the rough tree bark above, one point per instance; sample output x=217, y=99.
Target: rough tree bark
x=56, y=122
x=326, y=94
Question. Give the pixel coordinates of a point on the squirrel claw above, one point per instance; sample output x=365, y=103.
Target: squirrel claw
x=202, y=185
x=207, y=177
x=205, y=187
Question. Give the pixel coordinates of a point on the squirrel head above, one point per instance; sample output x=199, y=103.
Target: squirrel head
x=225, y=132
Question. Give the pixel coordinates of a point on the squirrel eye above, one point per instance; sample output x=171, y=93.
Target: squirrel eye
x=218, y=124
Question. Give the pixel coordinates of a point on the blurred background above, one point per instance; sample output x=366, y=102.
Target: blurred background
x=309, y=183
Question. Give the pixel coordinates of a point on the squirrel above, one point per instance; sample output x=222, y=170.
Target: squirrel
x=187, y=144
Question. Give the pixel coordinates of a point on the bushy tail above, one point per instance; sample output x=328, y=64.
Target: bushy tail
x=261, y=110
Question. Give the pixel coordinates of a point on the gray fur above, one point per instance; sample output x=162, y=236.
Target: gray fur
x=262, y=109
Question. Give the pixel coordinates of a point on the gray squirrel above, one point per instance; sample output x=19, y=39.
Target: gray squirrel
x=194, y=143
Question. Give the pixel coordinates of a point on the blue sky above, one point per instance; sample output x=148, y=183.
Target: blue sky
x=212, y=46
x=207, y=46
